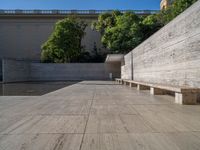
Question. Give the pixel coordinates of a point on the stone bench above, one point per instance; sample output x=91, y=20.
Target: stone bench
x=183, y=94
x=118, y=80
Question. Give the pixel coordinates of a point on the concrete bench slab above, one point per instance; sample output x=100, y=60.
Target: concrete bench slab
x=183, y=94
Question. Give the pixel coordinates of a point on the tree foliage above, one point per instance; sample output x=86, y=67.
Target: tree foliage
x=64, y=44
x=150, y=25
x=123, y=32
x=177, y=7
x=125, y=35
x=106, y=20
x=120, y=32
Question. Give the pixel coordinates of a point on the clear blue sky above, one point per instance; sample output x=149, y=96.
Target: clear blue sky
x=80, y=4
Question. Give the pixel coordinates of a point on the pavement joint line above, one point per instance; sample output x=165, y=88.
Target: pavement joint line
x=157, y=132
x=94, y=93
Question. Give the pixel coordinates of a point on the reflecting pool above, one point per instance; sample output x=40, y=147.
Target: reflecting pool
x=32, y=88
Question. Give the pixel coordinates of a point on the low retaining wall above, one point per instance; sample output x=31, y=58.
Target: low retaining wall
x=172, y=55
x=16, y=71
x=68, y=71
x=126, y=69
x=1, y=71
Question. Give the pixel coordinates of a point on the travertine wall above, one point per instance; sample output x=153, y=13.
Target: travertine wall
x=172, y=55
x=21, y=38
x=16, y=71
x=126, y=72
x=72, y=71
x=0, y=70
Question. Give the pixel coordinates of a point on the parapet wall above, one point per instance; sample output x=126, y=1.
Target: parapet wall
x=17, y=71
x=172, y=55
x=72, y=71
x=0, y=70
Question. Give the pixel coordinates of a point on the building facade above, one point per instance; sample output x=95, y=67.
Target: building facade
x=21, y=35
x=22, y=32
x=164, y=4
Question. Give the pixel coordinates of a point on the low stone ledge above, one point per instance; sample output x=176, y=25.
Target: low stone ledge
x=186, y=98
x=183, y=95
x=142, y=87
x=157, y=91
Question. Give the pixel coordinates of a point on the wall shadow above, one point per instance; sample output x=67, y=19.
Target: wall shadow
x=1, y=73
x=32, y=88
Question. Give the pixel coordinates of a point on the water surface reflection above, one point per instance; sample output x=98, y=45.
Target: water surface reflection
x=31, y=88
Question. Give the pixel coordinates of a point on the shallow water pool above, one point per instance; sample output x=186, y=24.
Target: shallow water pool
x=31, y=88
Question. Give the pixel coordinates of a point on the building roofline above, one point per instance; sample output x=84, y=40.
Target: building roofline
x=112, y=58
x=70, y=12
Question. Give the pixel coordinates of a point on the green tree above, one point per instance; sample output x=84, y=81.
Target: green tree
x=177, y=7
x=125, y=35
x=106, y=20
x=180, y=5
x=150, y=25
x=123, y=32
x=120, y=32
x=153, y=23
x=97, y=55
x=64, y=44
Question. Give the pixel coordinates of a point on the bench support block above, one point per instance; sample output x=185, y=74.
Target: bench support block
x=127, y=83
x=118, y=81
x=142, y=87
x=132, y=85
x=186, y=98
x=156, y=91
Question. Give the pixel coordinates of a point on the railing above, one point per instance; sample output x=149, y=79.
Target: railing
x=65, y=12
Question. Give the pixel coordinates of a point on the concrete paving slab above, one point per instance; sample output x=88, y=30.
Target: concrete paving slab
x=112, y=110
x=117, y=124
x=41, y=142
x=98, y=115
x=151, y=141
x=48, y=124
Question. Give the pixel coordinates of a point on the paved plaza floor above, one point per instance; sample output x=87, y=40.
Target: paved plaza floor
x=98, y=115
